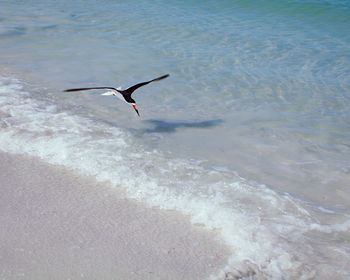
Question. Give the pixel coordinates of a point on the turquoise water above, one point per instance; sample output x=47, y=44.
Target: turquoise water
x=253, y=123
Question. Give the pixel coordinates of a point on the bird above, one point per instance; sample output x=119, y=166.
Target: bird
x=125, y=94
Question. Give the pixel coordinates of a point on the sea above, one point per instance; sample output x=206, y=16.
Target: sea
x=249, y=136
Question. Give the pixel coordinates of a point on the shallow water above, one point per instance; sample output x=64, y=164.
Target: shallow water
x=250, y=134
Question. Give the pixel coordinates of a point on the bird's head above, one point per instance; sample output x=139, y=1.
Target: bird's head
x=135, y=108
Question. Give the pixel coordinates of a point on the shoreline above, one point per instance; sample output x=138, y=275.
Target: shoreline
x=58, y=225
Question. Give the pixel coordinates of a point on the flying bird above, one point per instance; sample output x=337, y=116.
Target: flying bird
x=126, y=93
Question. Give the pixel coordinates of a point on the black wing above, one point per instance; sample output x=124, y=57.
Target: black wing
x=131, y=89
x=79, y=89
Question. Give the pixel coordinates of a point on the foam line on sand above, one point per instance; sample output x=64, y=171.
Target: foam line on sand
x=56, y=225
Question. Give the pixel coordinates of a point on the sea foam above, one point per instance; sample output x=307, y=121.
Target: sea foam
x=269, y=233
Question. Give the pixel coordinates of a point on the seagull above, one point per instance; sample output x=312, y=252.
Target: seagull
x=126, y=93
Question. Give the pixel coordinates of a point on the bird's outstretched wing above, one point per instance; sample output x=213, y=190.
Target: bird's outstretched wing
x=131, y=89
x=79, y=89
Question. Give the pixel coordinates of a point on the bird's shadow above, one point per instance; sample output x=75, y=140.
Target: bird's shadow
x=161, y=126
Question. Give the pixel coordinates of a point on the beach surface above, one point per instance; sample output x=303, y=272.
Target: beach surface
x=246, y=143
x=56, y=225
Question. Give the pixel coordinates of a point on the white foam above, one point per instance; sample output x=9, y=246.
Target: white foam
x=265, y=230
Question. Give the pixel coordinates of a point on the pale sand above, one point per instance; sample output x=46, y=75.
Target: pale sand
x=56, y=225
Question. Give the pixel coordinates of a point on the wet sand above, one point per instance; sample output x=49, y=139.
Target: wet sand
x=56, y=225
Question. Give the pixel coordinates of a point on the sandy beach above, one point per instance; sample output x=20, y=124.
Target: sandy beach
x=236, y=166
x=56, y=225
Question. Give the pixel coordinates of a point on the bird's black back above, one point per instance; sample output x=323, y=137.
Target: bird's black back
x=126, y=93
x=129, y=91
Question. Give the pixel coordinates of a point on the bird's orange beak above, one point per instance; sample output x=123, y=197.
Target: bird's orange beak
x=135, y=108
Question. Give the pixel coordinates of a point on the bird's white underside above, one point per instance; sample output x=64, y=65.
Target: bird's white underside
x=108, y=93
x=112, y=92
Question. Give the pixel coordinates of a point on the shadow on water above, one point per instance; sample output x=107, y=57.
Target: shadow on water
x=14, y=31
x=49, y=27
x=161, y=126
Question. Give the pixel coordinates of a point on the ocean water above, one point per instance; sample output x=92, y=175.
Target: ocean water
x=250, y=134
